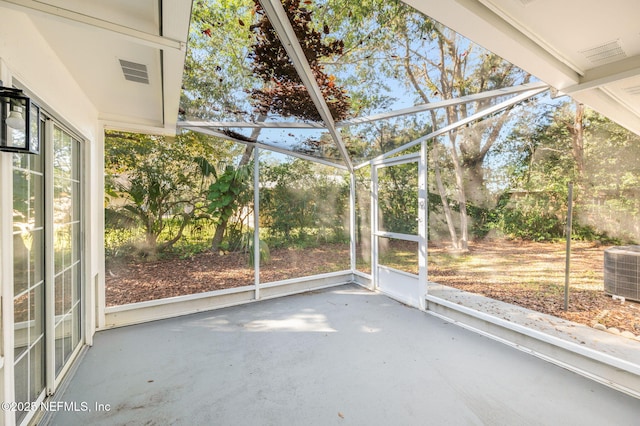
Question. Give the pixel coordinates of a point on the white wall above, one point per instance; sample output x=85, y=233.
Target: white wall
x=34, y=64
x=27, y=60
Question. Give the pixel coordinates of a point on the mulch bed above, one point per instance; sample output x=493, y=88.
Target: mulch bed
x=131, y=282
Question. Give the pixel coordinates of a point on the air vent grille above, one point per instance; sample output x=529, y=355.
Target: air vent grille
x=633, y=90
x=526, y=2
x=134, y=72
x=607, y=52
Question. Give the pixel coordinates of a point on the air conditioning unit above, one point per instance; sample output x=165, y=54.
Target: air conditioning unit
x=622, y=272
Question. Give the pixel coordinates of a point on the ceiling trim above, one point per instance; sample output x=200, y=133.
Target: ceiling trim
x=131, y=34
x=146, y=126
x=608, y=104
x=528, y=35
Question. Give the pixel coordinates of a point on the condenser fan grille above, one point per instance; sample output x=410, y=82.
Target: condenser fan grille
x=622, y=272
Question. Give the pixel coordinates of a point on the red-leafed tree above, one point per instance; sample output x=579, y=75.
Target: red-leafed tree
x=283, y=92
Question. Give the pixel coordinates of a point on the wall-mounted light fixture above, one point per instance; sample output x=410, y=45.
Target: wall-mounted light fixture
x=19, y=122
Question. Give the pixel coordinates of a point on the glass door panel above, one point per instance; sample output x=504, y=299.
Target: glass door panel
x=28, y=279
x=67, y=245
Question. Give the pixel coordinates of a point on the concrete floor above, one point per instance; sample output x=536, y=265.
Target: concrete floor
x=340, y=356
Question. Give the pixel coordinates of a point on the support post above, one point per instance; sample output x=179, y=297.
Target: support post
x=256, y=220
x=374, y=227
x=352, y=220
x=568, y=254
x=423, y=225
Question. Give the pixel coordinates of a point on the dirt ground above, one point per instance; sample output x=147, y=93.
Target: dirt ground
x=523, y=273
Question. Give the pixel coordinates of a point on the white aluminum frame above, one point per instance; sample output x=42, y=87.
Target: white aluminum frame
x=278, y=18
x=219, y=134
x=417, y=299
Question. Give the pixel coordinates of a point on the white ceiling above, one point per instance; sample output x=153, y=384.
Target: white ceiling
x=92, y=36
x=589, y=49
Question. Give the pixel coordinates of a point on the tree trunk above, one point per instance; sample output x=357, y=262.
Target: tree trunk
x=577, y=139
x=218, y=236
x=168, y=244
x=462, y=197
x=443, y=197
x=475, y=189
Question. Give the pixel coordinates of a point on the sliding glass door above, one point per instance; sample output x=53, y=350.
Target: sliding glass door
x=47, y=246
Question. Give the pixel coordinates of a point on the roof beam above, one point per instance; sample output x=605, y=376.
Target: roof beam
x=251, y=125
x=216, y=133
x=478, y=115
x=141, y=37
x=606, y=74
x=280, y=22
x=383, y=116
x=445, y=103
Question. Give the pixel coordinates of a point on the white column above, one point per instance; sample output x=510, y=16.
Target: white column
x=96, y=301
x=423, y=223
x=374, y=228
x=256, y=220
x=352, y=220
x=92, y=183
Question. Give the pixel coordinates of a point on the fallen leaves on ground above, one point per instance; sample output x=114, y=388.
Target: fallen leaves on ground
x=132, y=282
x=532, y=275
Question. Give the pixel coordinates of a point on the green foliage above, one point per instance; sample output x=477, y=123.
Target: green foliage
x=228, y=192
x=303, y=203
x=606, y=199
x=145, y=175
x=217, y=75
x=398, y=198
x=153, y=182
x=532, y=224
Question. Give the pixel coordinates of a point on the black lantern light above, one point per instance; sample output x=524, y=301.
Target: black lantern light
x=19, y=122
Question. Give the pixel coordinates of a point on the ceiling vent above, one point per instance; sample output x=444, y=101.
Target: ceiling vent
x=608, y=52
x=633, y=90
x=526, y=2
x=134, y=72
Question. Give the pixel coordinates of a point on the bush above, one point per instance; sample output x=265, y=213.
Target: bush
x=265, y=255
x=532, y=225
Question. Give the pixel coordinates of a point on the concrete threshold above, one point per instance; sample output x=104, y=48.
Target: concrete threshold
x=601, y=356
